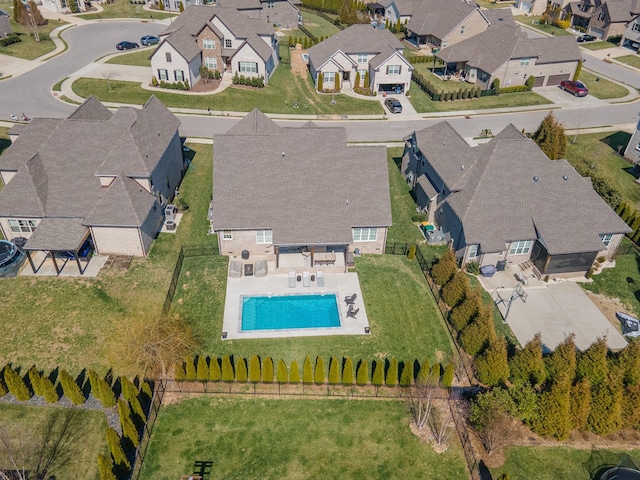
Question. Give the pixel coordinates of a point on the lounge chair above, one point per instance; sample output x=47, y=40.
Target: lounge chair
x=353, y=313
x=261, y=268
x=351, y=299
x=292, y=279
x=235, y=269
x=320, y=278
x=306, y=280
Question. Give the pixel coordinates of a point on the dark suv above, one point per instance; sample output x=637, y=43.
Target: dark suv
x=394, y=105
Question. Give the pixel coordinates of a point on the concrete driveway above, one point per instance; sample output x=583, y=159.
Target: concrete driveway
x=556, y=310
x=566, y=99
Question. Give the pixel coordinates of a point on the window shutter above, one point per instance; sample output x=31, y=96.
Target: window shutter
x=399, y=69
x=387, y=69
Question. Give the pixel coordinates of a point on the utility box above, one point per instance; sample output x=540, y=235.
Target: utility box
x=170, y=213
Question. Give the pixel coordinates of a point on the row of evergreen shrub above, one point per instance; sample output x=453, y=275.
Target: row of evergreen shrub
x=632, y=217
x=250, y=81
x=170, y=85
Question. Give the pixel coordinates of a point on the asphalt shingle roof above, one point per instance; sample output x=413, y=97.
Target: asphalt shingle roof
x=305, y=183
x=58, y=234
x=509, y=190
x=438, y=17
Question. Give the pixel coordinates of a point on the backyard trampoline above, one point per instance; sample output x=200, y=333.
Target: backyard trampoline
x=11, y=257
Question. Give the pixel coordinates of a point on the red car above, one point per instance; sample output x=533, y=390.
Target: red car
x=577, y=88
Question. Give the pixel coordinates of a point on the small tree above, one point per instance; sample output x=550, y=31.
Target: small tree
x=101, y=389
x=463, y=313
x=105, y=468
x=489, y=417
x=190, y=369
x=179, y=373
x=493, y=365
x=336, y=83
x=561, y=365
x=362, y=375
x=267, y=370
x=307, y=371
x=228, y=374
x=592, y=363
x=495, y=85
x=36, y=381
x=71, y=389
x=357, y=81
x=241, y=370
x=130, y=394
x=605, y=415
x=576, y=76
x=115, y=447
x=319, y=375
x=367, y=80
x=424, y=372
x=391, y=380
x=527, y=365
x=347, y=372
x=16, y=384
x=160, y=5
x=18, y=8
x=550, y=137
x=478, y=334
x=255, y=373
x=447, y=376
x=334, y=372
x=202, y=371
x=455, y=289
x=129, y=429
x=294, y=372
x=283, y=375
x=555, y=412
x=406, y=377
x=320, y=82
x=215, y=373
x=181, y=7
x=580, y=404
x=377, y=379
x=444, y=268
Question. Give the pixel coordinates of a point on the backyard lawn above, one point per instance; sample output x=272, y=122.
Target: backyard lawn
x=28, y=48
x=286, y=93
x=550, y=463
x=75, y=316
x=19, y=424
x=597, y=151
x=633, y=60
x=125, y=9
x=533, y=21
x=318, y=26
x=139, y=58
x=294, y=439
x=403, y=230
x=602, y=88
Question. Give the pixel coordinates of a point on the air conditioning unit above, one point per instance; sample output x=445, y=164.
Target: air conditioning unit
x=170, y=213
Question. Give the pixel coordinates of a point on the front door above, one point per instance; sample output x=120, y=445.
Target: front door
x=345, y=76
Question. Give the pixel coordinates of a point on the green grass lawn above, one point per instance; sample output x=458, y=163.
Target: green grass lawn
x=294, y=439
x=318, y=26
x=28, y=48
x=602, y=88
x=551, y=463
x=532, y=21
x=493, y=5
x=597, y=151
x=124, y=9
x=403, y=207
x=75, y=316
x=622, y=282
x=19, y=423
x=633, y=60
x=139, y=58
x=599, y=45
x=402, y=314
x=4, y=143
x=423, y=104
x=284, y=90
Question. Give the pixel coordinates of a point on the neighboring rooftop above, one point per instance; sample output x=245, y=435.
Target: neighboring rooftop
x=438, y=17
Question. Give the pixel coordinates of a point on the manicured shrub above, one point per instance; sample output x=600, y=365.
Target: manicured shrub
x=495, y=85
x=605, y=415
x=105, y=468
x=190, y=369
x=424, y=373
x=531, y=81
x=561, y=365
x=180, y=374
x=406, y=377
x=154, y=81
x=347, y=372
x=447, y=376
x=580, y=404
x=101, y=389
x=318, y=374
x=307, y=371
x=283, y=375
x=377, y=379
x=49, y=391
x=267, y=370
x=255, y=372
x=16, y=384
x=464, y=312
x=362, y=376
x=455, y=289
x=71, y=389
x=294, y=372
x=592, y=363
x=129, y=429
x=228, y=374
x=479, y=333
x=202, y=369
x=334, y=372
x=473, y=268
x=555, y=410
x=241, y=370
x=3, y=387
x=444, y=268
x=130, y=394
x=36, y=381
x=115, y=447
x=391, y=379
x=492, y=365
x=630, y=362
x=215, y=373
x=320, y=82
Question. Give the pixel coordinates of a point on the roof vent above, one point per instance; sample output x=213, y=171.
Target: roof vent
x=283, y=154
x=461, y=167
x=565, y=177
x=536, y=178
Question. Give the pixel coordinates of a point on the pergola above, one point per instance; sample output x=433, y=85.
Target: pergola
x=57, y=235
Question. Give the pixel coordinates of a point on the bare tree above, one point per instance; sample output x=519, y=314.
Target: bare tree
x=109, y=75
x=144, y=342
x=419, y=399
x=441, y=425
x=31, y=17
x=490, y=419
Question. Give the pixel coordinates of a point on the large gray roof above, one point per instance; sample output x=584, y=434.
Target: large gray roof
x=58, y=162
x=502, y=42
x=509, y=190
x=439, y=17
x=58, y=234
x=304, y=183
x=184, y=43
x=240, y=4
x=620, y=10
x=353, y=40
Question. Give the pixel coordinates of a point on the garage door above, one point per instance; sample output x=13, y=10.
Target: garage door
x=556, y=79
x=539, y=81
x=596, y=32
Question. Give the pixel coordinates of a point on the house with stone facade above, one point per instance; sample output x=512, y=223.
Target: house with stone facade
x=605, y=18
x=356, y=53
x=506, y=53
x=285, y=190
x=222, y=39
x=505, y=201
x=96, y=175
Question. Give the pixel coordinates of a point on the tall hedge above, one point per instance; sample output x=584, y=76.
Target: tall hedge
x=267, y=370
x=131, y=394
x=105, y=468
x=580, y=403
x=228, y=375
x=444, y=268
x=463, y=313
x=555, y=412
x=129, y=429
x=71, y=389
x=561, y=365
x=479, y=333
x=255, y=371
x=294, y=372
x=307, y=371
x=282, y=375
x=115, y=447
x=592, y=363
x=362, y=376
x=202, y=369
x=16, y=384
x=318, y=374
x=347, y=372
x=334, y=372
x=241, y=370
x=455, y=289
x=493, y=365
x=391, y=379
x=215, y=373
x=605, y=415
x=527, y=365
x=101, y=389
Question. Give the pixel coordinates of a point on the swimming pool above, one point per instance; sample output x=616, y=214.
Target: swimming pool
x=279, y=312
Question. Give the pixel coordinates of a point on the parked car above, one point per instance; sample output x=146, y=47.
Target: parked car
x=586, y=38
x=127, y=45
x=149, y=40
x=577, y=88
x=394, y=105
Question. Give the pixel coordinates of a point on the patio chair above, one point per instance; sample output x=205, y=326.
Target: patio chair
x=306, y=279
x=351, y=299
x=235, y=269
x=261, y=268
x=292, y=279
x=320, y=278
x=353, y=313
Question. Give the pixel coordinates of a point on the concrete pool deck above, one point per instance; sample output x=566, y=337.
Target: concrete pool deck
x=340, y=284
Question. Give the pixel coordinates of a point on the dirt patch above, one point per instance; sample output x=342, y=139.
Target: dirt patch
x=298, y=65
x=608, y=307
x=201, y=86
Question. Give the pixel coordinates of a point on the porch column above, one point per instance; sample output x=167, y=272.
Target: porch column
x=276, y=249
x=312, y=252
x=55, y=264
x=78, y=262
x=33, y=267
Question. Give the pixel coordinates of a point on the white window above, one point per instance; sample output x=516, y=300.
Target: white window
x=638, y=146
x=227, y=235
x=362, y=58
x=365, y=234
x=227, y=43
x=393, y=70
x=520, y=248
x=209, y=43
x=328, y=77
x=462, y=29
x=179, y=75
x=167, y=57
x=270, y=5
x=248, y=67
x=524, y=62
x=23, y=226
x=163, y=74
x=606, y=239
x=601, y=16
x=211, y=63
x=473, y=251
x=636, y=27
x=264, y=236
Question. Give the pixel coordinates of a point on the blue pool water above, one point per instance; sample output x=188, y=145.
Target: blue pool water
x=289, y=311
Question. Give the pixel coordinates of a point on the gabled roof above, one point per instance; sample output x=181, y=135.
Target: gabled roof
x=183, y=43
x=386, y=54
x=5, y=26
x=305, y=184
x=257, y=45
x=439, y=17
x=240, y=4
x=405, y=7
x=91, y=109
x=353, y=40
x=500, y=43
x=58, y=234
x=511, y=191
x=620, y=10
x=124, y=203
